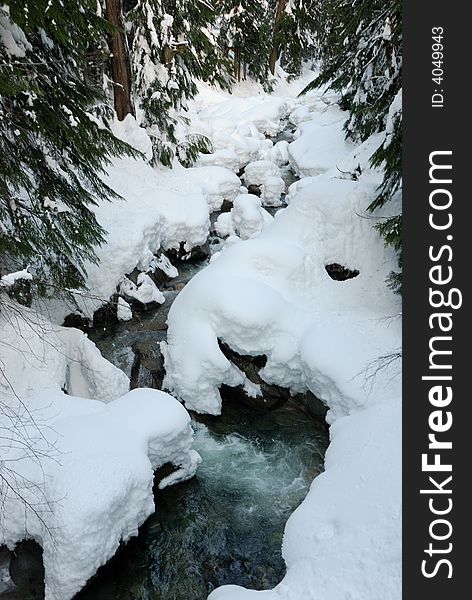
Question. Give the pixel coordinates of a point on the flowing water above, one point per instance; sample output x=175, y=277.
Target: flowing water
x=225, y=525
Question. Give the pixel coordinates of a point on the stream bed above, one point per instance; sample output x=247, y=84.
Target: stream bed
x=226, y=524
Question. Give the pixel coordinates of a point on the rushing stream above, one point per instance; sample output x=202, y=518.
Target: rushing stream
x=225, y=526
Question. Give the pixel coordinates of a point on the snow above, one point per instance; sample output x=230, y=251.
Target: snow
x=246, y=219
x=12, y=37
x=128, y=131
x=10, y=279
x=272, y=295
x=267, y=292
x=257, y=172
x=124, y=312
x=320, y=143
x=217, y=183
x=87, y=471
x=159, y=210
x=144, y=291
x=271, y=191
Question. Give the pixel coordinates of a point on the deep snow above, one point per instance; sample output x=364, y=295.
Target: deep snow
x=80, y=469
x=272, y=295
x=267, y=292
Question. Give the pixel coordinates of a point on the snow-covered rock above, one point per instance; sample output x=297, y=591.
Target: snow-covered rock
x=218, y=184
x=124, y=312
x=246, y=219
x=144, y=291
x=83, y=468
x=272, y=190
x=278, y=154
x=257, y=172
x=272, y=295
x=225, y=157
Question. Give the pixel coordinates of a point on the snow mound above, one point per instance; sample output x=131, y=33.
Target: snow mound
x=86, y=472
x=272, y=190
x=257, y=172
x=246, y=219
x=159, y=211
x=278, y=154
x=130, y=132
x=226, y=157
x=144, y=291
x=265, y=288
x=272, y=295
x=320, y=143
x=218, y=184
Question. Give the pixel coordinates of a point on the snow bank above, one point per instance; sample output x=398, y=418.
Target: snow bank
x=246, y=219
x=84, y=467
x=272, y=295
x=268, y=289
x=320, y=143
x=161, y=208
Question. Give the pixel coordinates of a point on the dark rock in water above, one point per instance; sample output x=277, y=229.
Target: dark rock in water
x=106, y=315
x=263, y=402
x=313, y=405
x=254, y=189
x=27, y=571
x=340, y=273
x=194, y=255
x=272, y=396
x=78, y=322
x=226, y=206
x=148, y=366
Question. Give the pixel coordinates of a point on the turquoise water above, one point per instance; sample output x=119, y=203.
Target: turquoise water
x=225, y=525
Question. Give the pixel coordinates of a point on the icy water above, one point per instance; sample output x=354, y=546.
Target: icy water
x=225, y=525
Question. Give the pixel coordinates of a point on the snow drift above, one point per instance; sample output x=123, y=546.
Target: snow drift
x=76, y=473
x=272, y=295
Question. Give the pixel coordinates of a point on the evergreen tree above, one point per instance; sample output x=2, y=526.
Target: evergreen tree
x=174, y=45
x=246, y=30
x=361, y=53
x=119, y=59
x=296, y=23
x=53, y=148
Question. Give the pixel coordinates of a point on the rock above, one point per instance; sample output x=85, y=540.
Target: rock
x=148, y=366
x=78, y=322
x=259, y=403
x=140, y=292
x=163, y=270
x=226, y=206
x=254, y=189
x=272, y=396
x=340, y=273
x=27, y=571
x=313, y=405
x=107, y=314
x=196, y=254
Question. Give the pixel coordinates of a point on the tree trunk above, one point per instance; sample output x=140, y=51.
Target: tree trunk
x=278, y=20
x=120, y=63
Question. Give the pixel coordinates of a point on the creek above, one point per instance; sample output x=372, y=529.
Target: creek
x=225, y=526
